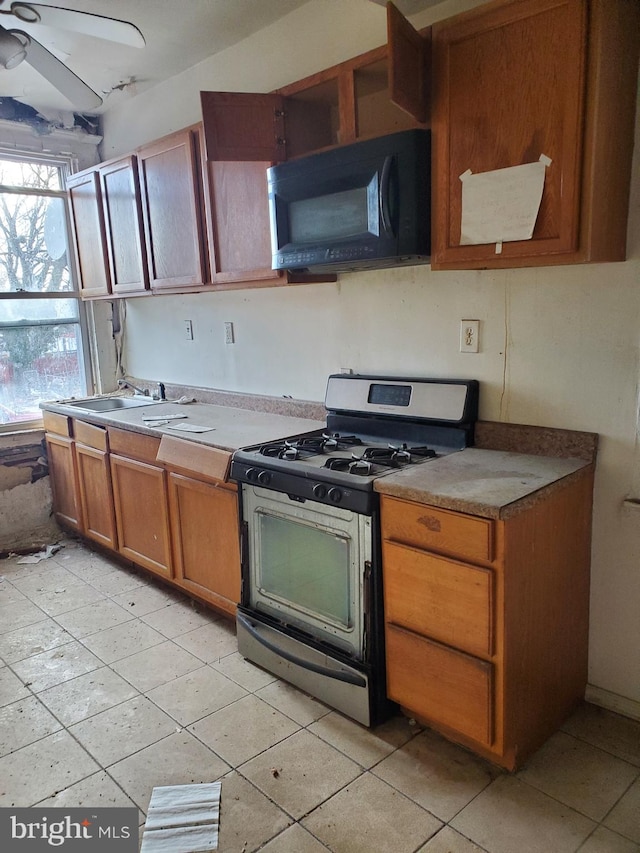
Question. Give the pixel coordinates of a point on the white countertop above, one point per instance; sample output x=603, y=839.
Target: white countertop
x=229, y=428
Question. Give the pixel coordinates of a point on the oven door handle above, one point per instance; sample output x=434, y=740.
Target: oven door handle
x=348, y=677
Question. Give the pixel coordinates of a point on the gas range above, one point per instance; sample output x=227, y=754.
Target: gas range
x=375, y=426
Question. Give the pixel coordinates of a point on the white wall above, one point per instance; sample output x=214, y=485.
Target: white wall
x=559, y=345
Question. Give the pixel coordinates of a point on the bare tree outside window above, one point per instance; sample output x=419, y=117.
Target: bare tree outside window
x=40, y=340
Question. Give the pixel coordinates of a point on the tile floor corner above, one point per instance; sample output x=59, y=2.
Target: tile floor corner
x=112, y=683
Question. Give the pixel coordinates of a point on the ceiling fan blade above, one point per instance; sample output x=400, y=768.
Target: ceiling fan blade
x=62, y=78
x=80, y=22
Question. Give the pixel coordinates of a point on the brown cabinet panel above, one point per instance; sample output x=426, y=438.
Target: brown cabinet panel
x=123, y=223
x=140, y=446
x=63, y=476
x=170, y=177
x=204, y=524
x=239, y=219
x=96, y=496
x=449, y=687
x=514, y=81
x=409, y=53
x=243, y=126
x=142, y=515
x=452, y=533
x=87, y=223
x=447, y=601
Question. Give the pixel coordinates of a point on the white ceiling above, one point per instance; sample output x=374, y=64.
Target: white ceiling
x=178, y=35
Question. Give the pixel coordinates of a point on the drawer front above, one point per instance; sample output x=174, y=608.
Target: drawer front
x=440, y=685
x=134, y=444
x=442, y=599
x=92, y=436
x=451, y=533
x=59, y=424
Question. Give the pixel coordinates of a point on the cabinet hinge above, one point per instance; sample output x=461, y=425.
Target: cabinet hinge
x=279, y=113
x=280, y=140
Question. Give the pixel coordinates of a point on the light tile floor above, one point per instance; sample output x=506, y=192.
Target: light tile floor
x=111, y=683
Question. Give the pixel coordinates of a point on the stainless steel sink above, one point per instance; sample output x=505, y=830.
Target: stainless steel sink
x=110, y=404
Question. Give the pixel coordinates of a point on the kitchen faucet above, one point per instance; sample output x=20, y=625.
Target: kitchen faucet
x=122, y=383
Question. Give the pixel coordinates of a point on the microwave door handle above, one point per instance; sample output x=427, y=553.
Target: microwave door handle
x=385, y=189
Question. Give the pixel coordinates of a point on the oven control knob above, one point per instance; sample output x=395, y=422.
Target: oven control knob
x=264, y=478
x=252, y=475
x=335, y=495
x=320, y=490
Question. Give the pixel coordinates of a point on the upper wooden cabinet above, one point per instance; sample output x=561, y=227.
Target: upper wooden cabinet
x=87, y=224
x=122, y=209
x=516, y=80
x=245, y=133
x=170, y=184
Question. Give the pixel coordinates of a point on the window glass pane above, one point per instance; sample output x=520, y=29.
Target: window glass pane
x=33, y=245
x=38, y=363
x=24, y=173
x=20, y=310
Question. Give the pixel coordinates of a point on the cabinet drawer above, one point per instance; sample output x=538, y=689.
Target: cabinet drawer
x=440, y=685
x=197, y=460
x=134, y=444
x=447, y=601
x=452, y=533
x=92, y=436
x=58, y=424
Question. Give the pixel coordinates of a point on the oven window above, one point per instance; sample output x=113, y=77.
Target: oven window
x=305, y=568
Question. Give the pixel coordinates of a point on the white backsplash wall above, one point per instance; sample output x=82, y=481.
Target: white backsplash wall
x=559, y=346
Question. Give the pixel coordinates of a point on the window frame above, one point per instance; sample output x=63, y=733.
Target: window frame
x=67, y=165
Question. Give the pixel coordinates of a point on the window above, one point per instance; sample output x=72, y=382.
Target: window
x=41, y=320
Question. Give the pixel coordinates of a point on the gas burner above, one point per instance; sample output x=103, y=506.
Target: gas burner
x=333, y=441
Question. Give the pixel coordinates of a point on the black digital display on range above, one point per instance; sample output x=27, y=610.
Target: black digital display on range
x=389, y=395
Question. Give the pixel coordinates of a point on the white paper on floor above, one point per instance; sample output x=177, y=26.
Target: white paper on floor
x=182, y=819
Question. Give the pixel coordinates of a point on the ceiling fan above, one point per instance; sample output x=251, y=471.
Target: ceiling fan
x=16, y=46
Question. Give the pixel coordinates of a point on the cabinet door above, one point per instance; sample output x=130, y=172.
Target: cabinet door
x=64, y=480
x=170, y=183
x=87, y=224
x=96, y=496
x=142, y=515
x=204, y=526
x=408, y=58
x=508, y=87
x=123, y=222
x=243, y=126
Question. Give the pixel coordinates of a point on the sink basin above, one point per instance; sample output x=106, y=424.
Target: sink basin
x=111, y=404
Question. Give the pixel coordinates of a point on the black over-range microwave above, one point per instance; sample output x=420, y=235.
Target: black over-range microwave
x=360, y=206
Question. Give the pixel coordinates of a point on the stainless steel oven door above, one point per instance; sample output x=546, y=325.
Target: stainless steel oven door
x=306, y=565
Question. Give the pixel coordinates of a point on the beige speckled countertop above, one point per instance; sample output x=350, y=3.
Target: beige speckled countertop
x=489, y=483
x=231, y=427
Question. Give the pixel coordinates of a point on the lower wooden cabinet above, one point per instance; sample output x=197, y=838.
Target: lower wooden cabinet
x=63, y=473
x=204, y=529
x=94, y=482
x=164, y=505
x=486, y=620
x=142, y=513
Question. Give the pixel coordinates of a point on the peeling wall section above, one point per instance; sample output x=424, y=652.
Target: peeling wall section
x=26, y=519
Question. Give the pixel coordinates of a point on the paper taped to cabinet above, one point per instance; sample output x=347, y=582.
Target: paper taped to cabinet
x=501, y=205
